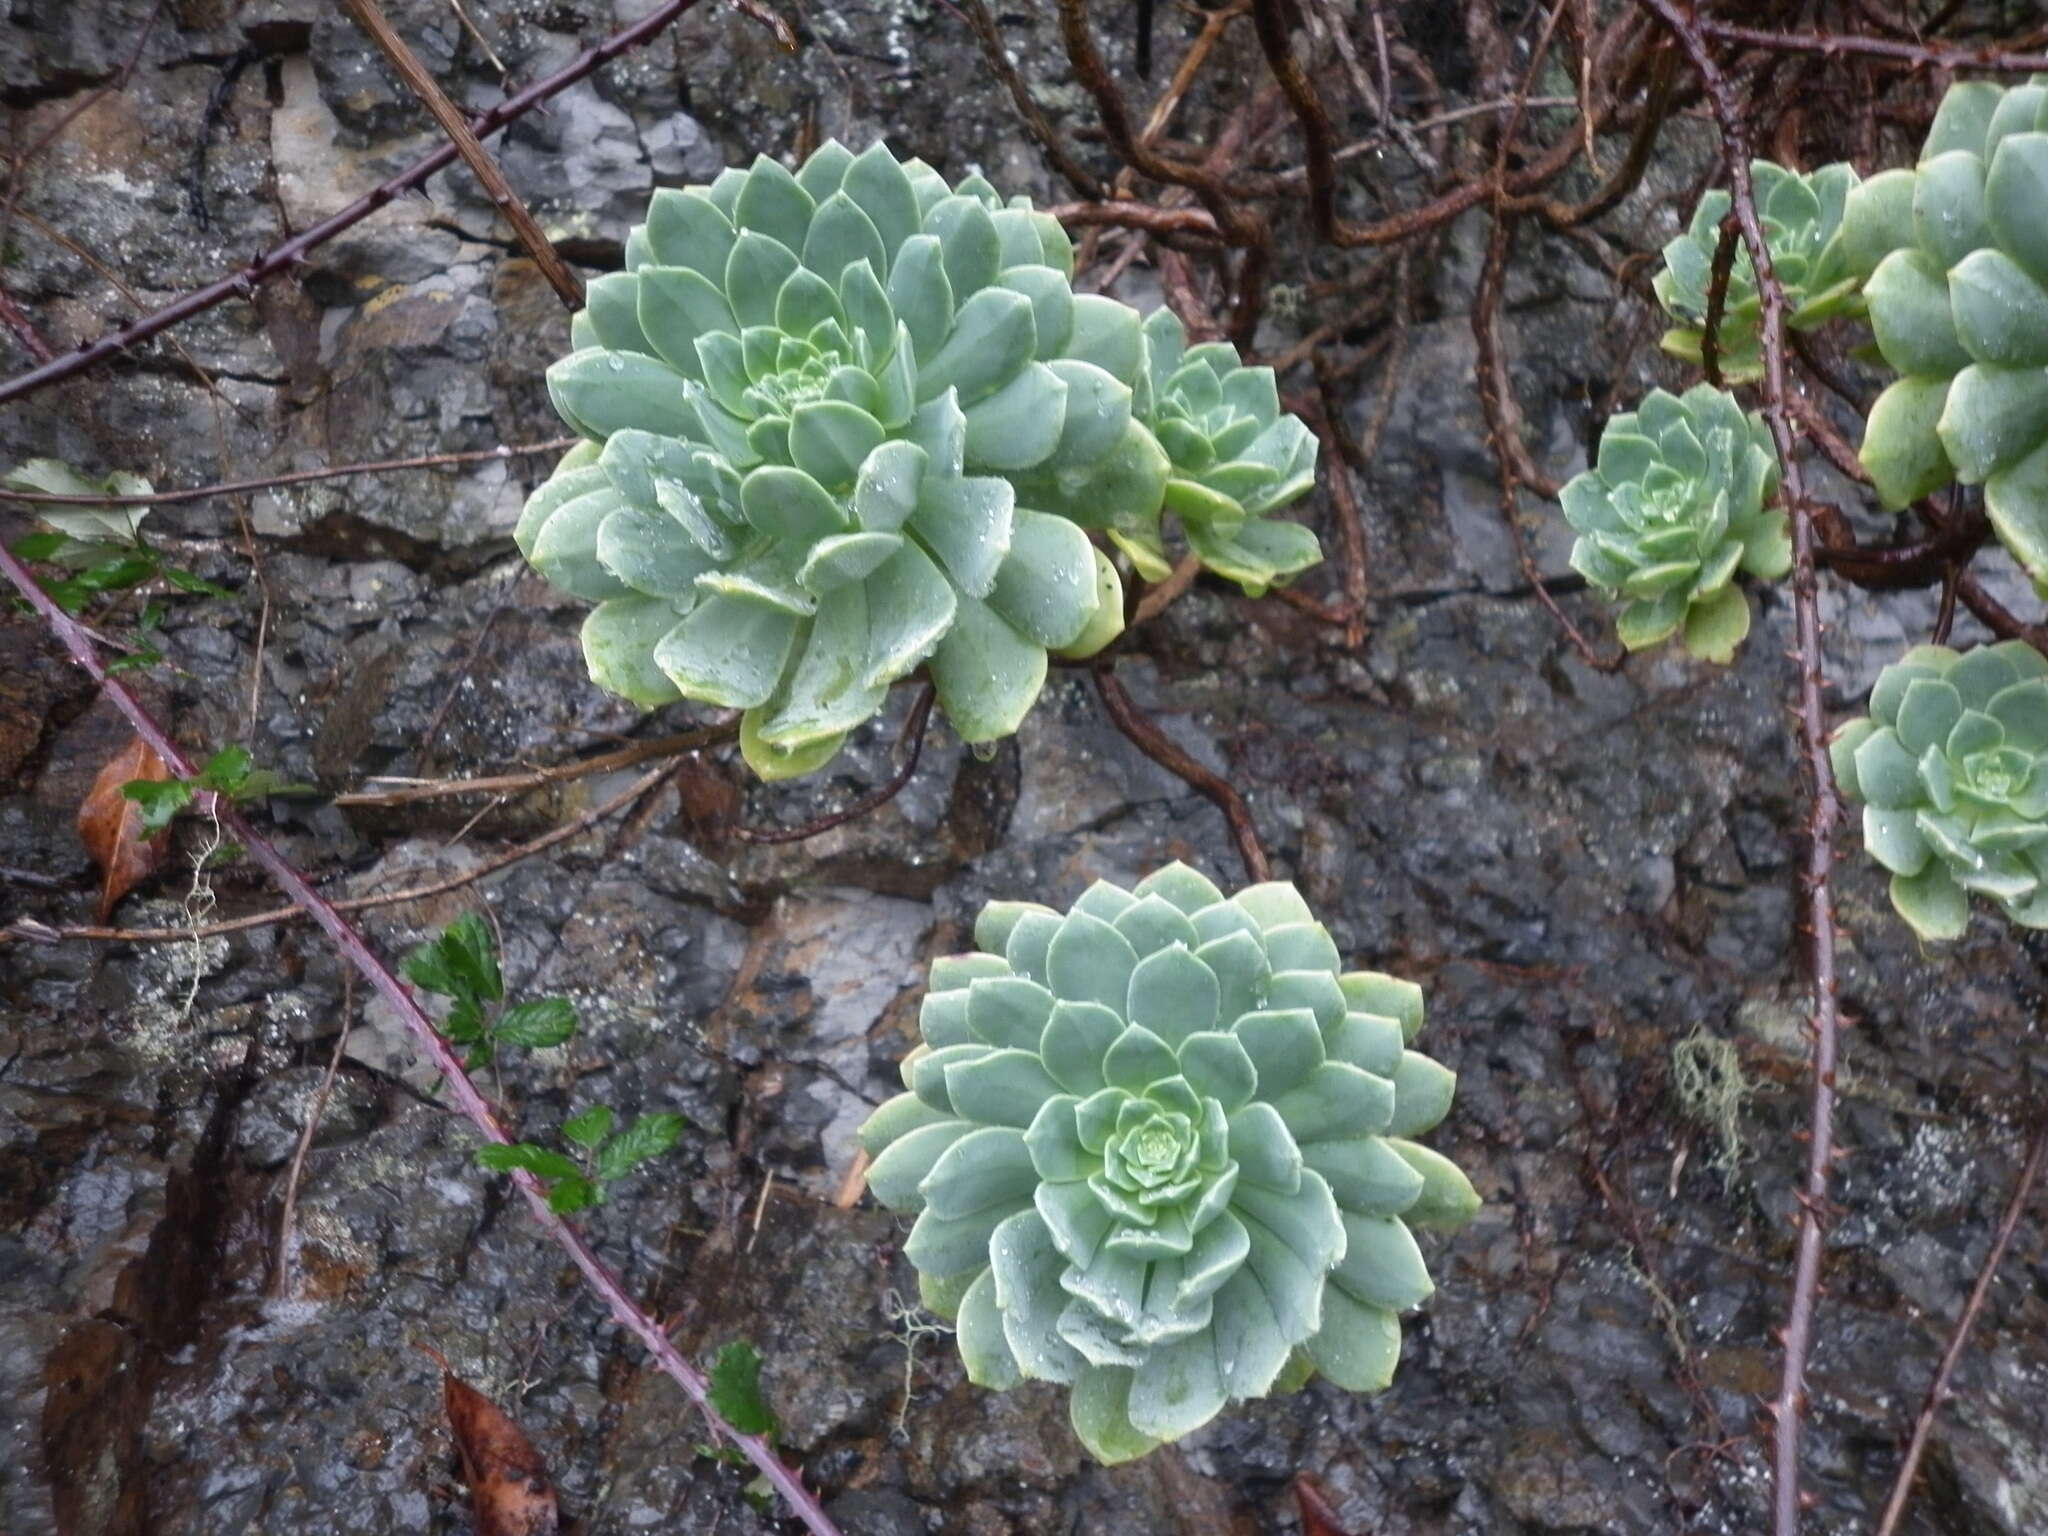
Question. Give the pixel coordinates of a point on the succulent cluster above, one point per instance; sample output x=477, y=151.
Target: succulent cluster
x=1956, y=252
x=1677, y=503
x=1952, y=768
x=1158, y=1150
x=1235, y=457
x=847, y=421
x=1799, y=214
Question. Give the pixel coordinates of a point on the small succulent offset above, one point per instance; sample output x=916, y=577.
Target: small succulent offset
x=1957, y=293
x=1677, y=502
x=1235, y=457
x=1952, y=768
x=807, y=402
x=1158, y=1151
x=1799, y=214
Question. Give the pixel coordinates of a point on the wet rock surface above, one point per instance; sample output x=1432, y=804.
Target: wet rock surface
x=1581, y=868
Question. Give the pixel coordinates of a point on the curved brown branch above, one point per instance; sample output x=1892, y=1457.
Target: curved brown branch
x=996, y=54
x=913, y=732
x=1835, y=45
x=292, y=252
x=1240, y=226
x=1170, y=755
x=1124, y=214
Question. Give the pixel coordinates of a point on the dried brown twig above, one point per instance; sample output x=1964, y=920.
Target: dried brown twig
x=1170, y=755
x=449, y=116
x=913, y=734
x=293, y=477
x=1938, y=1389
x=43, y=933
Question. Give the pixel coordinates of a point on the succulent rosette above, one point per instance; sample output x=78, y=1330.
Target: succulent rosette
x=1951, y=765
x=1799, y=214
x=1957, y=294
x=807, y=402
x=1677, y=502
x=1235, y=458
x=1158, y=1149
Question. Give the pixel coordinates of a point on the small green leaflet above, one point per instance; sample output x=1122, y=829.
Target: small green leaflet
x=590, y=1127
x=649, y=1136
x=543, y=1022
x=227, y=772
x=503, y=1157
x=735, y=1384
x=461, y=962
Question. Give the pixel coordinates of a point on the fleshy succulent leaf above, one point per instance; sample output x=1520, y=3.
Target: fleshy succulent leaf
x=1954, y=260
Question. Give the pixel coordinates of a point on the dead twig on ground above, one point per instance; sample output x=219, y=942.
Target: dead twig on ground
x=281, y=1275
x=41, y=932
x=295, y=477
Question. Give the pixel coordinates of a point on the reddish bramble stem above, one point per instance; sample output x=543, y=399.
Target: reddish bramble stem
x=1790, y=1406
x=460, y=1089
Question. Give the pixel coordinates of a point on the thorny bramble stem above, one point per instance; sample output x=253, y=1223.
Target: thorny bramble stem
x=1819, y=927
x=472, y=1104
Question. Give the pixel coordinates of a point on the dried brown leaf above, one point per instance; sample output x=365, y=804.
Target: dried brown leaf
x=109, y=824
x=509, y=1492
x=1318, y=1517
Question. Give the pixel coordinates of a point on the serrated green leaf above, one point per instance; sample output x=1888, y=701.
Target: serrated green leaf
x=734, y=1383
x=589, y=1128
x=647, y=1137
x=544, y=1022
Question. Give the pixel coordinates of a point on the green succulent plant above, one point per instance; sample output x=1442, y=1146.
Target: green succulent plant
x=1158, y=1151
x=808, y=403
x=1957, y=255
x=1951, y=765
x=1676, y=503
x=1235, y=457
x=1799, y=214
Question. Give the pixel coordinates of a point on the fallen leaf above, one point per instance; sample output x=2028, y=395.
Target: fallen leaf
x=109, y=823
x=1318, y=1518
x=509, y=1492
x=709, y=800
